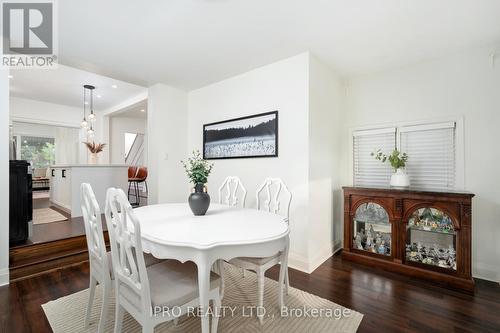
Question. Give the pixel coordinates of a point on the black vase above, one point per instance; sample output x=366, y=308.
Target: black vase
x=199, y=200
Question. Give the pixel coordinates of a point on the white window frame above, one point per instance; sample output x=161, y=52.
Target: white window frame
x=424, y=124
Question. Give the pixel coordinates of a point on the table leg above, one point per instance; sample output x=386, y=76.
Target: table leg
x=203, y=288
x=283, y=276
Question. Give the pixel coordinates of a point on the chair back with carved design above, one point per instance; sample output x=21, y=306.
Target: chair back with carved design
x=125, y=238
x=232, y=192
x=93, y=230
x=273, y=196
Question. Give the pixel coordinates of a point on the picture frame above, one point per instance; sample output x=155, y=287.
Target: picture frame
x=244, y=137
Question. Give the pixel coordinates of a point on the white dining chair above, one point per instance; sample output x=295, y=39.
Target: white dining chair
x=276, y=198
x=232, y=192
x=100, y=261
x=169, y=285
x=98, y=257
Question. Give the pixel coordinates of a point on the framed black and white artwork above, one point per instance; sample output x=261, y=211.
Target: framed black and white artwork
x=251, y=136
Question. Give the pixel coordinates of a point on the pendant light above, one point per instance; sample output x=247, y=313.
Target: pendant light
x=92, y=118
x=90, y=131
x=84, y=123
x=92, y=115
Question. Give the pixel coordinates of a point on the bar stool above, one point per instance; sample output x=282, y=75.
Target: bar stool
x=140, y=177
x=132, y=171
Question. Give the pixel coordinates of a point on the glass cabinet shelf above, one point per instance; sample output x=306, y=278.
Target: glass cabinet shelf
x=372, y=229
x=436, y=231
x=431, y=239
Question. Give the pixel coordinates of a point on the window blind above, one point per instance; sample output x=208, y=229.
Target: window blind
x=367, y=170
x=431, y=155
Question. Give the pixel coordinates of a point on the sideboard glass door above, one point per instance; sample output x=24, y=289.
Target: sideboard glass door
x=431, y=239
x=372, y=229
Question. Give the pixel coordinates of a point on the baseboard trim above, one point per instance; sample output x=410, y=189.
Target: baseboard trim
x=321, y=258
x=61, y=206
x=487, y=272
x=302, y=264
x=4, y=277
x=298, y=262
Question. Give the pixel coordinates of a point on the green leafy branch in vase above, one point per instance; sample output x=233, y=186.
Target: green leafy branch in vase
x=197, y=169
x=396, y=158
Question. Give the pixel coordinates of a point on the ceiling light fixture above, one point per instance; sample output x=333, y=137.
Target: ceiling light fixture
x=114, y=86
x=11, y=76
x=142, y=110
x=91, y=117
x=84, y=123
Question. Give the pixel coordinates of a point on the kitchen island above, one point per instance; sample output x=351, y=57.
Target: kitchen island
x=66, y=179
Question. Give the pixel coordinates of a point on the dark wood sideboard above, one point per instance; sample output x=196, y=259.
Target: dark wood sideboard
x=425, y=234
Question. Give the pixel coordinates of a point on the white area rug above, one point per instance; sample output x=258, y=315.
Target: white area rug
x=47, y=215
x=67, y=314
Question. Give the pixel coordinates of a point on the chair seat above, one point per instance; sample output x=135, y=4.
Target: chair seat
x=256, y=261
x=149, y=260
x=173, y=283
x=136, y=179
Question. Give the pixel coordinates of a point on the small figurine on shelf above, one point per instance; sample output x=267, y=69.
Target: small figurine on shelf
x=427, y=261
x=427, y=225
x=381, y=248
x=369, y=242
x=357, y=241
x=419, y=247
x=370, y=233
x=443, y=263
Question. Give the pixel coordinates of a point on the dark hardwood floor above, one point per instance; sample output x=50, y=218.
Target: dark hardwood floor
x=389, y=302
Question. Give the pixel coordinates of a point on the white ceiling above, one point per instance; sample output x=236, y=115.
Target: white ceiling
x=191, y=43
x=137, y=110
x=64, y=85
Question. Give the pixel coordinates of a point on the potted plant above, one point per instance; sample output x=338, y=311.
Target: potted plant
x=198, y=170
x=398, y=162
x=94, y=149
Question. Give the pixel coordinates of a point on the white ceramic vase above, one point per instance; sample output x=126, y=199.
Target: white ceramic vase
x=92, y=158
x=400, y=179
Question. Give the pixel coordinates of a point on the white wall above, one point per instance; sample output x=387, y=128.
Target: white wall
x=4, y=177
x=103, y=120
x=459, y=85
x=118, y=127
x=166, y=142
x=32, y=111
x=324, y=177
x=282, y=86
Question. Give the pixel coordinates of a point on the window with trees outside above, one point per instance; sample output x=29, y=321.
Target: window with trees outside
x=39, y=151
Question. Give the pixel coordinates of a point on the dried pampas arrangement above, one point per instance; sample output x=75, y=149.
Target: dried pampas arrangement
x=94, y=148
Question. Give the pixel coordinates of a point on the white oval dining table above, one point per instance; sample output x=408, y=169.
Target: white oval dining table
x=171, y=231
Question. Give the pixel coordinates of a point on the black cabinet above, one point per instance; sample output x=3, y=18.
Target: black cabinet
x=20, y=201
